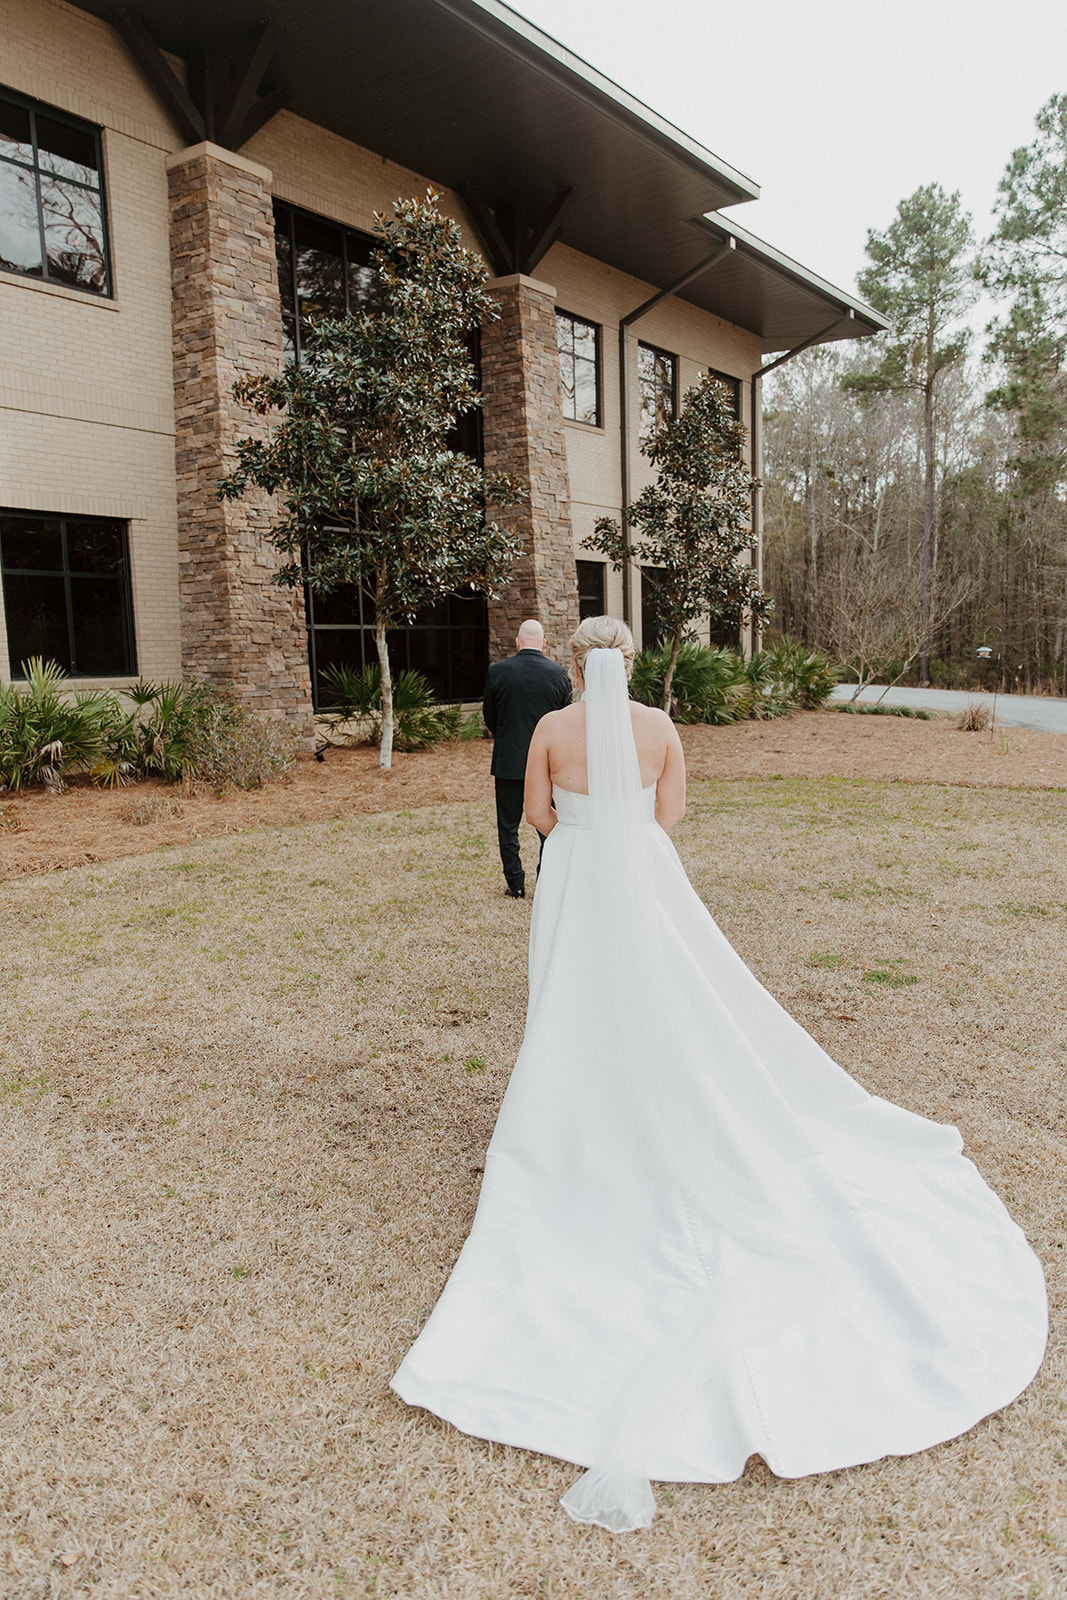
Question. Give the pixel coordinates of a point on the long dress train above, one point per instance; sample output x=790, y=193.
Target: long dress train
x=698, y=1239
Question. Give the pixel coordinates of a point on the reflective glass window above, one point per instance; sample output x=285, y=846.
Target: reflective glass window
x=733, y=389
x=52, y=212
x=324, y=270
x=591, y=602
x=579, y=367
x=67, y=593
x=20, y=221
x=657, y=380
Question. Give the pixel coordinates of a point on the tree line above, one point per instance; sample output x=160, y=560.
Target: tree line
x=916, y=486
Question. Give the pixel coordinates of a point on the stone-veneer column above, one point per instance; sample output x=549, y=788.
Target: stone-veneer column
x=524, y=436
x=238, y=630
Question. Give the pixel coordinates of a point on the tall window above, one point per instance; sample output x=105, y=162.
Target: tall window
x=651, y=627
x=67, y=593
x=657, y=380
x=591, y=602
x=448, y=643
x=52, y=217
x=733, y=387
x=579, y=367
x=324, y=271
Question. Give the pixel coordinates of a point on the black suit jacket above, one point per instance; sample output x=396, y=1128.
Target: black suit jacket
x=519, y=692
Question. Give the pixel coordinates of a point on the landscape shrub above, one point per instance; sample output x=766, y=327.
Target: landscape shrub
x=858, y=708
x=709, y=684
x=48, y=735
x=720, y=686
x=804, y=676
x=45, y=735
x=419, y=722
x=974, y=718
x=225, y=745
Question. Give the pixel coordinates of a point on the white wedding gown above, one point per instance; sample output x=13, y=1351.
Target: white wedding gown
x=698, y=1239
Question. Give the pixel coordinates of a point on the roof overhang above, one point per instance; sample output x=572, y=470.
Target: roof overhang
x=757, y=287
x=477, y=99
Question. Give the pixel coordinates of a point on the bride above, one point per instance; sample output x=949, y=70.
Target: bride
x=698, y=1239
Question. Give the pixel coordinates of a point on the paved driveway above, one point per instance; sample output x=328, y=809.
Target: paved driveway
x=1014, y=710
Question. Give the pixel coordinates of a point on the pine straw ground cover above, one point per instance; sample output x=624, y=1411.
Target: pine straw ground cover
x=247, y=1089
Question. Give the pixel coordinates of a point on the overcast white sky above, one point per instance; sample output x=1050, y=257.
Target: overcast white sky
x=837, y=108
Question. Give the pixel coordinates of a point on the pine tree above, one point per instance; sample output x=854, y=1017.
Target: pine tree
x=922, y=278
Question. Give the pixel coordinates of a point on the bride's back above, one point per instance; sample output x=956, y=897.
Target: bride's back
x=564, y=733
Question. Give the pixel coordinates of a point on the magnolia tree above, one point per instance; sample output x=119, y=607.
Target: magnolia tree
x=370, y=494
x=693, y=523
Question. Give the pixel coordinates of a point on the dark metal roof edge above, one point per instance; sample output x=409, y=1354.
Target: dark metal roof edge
x=515, y=33
x=723, y=227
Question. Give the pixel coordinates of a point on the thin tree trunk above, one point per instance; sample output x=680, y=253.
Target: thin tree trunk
x=927, y=569
x=385, y=753
x=668, y=678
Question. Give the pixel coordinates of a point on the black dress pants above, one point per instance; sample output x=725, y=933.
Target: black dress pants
x=509, y=797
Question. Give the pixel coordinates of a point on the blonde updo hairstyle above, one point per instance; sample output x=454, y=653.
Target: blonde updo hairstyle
x=601, y=633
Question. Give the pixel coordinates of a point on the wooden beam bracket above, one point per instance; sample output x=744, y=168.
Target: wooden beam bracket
x=160, y=74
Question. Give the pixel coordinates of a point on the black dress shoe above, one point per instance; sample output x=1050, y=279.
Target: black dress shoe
x=515, y=894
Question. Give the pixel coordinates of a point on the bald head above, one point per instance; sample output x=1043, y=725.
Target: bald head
x=531, y=636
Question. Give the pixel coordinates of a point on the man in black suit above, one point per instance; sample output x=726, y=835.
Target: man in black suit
x=517, y=695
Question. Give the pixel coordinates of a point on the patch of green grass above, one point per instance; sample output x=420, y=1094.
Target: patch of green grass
x=887, y=971
x=29, y=1083
x=858, y=708
x=475, y=1064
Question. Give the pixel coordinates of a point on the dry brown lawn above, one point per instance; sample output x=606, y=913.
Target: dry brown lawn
x=247, y=1083
x=40, y=832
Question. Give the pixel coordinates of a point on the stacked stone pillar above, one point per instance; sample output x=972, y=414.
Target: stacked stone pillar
x=238, y=630
x=524, y=436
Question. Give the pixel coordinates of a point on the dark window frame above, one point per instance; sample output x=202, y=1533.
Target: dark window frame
x=37, y=108
x=285, y=211
x=447, y=617
x=660, y=355
x=123, y=584
x=586, y=568
x=360, y=628
x=572, y=317
x=732, y=384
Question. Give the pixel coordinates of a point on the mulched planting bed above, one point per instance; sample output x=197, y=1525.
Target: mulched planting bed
x=40, y=832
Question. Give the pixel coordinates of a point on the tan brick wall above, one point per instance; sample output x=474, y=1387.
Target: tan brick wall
x=86, y=389
x=604, y=295
x=321, y=172
x=86, y=393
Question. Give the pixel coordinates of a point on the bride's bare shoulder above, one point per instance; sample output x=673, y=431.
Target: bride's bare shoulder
x=649, y=716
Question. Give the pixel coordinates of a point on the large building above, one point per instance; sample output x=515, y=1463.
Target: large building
x=184, y=182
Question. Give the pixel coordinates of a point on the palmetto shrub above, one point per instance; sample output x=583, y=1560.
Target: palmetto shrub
x=176, y=730
x=803, y=675
x=420, y=723
x=709, y=685
x=44, y=734
x=720, y=686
